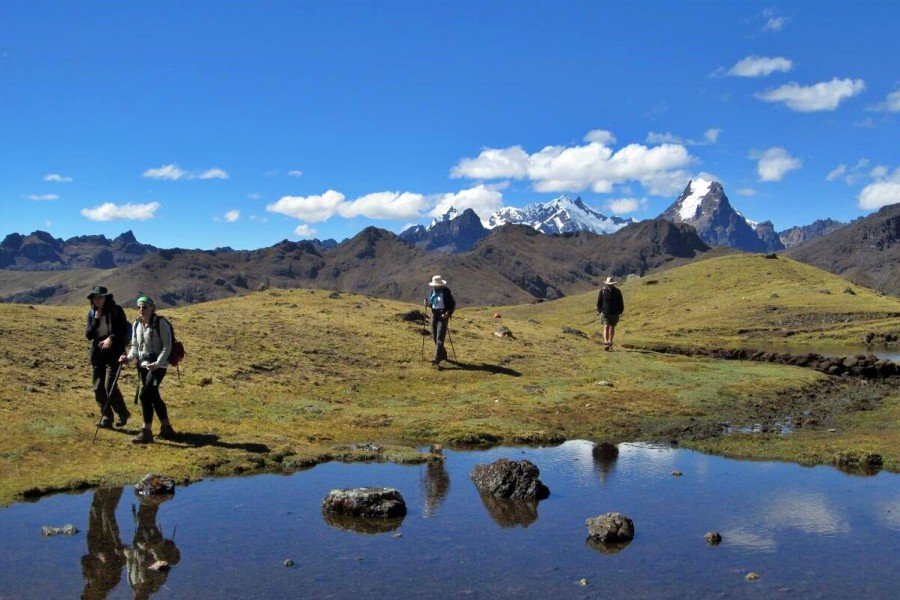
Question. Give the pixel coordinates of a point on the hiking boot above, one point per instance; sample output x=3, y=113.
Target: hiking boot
x=123, y=419
x=166, y=432
x=105, y=423
x=144, y=437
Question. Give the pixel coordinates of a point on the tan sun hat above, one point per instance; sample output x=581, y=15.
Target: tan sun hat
x=436, y=281
x=610, y=281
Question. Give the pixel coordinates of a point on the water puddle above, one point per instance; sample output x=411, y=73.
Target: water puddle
x=805, y=531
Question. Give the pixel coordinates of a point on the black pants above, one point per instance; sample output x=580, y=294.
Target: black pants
x=438, y=333
x=104, y=371
x=150, y=398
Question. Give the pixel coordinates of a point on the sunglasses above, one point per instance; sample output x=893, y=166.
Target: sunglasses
x=143, y=306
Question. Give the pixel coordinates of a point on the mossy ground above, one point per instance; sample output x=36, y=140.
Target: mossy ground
x=283, y=379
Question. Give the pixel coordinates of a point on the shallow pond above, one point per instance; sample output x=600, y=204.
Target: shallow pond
x=806, y=531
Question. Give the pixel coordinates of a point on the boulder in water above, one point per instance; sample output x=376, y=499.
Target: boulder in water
x=611, y=528
x=367, y=502
x=505, y=478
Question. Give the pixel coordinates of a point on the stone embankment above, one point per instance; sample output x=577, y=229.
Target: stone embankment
x=867, y=366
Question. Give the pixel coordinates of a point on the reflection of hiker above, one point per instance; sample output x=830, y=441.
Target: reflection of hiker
x=107, y=328
x=151, y=343
x=436, y=485
x=102, y=565
x=442, y=306
x=149, y=547
x=610, y=305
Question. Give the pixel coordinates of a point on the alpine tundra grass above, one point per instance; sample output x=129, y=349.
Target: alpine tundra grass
x=283, y=379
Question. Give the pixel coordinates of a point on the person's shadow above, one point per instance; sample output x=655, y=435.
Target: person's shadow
x=199, y=440
x=488, y=368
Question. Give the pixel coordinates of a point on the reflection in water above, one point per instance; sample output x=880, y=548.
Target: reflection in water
x=888, y=512
x=511, y=513
x=605, y=456
x=605, y=548
x=744, y=538
x=435, y=486
x=102, y=565
x=149, y=547
x=806, y=512
x=361, y=524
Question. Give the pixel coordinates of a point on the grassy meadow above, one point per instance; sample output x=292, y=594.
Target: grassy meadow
x=283, y=379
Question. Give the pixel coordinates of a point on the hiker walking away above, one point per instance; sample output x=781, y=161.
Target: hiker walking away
x=107, y=328
x=442, y=305
x=151, y=343
x=610, y=305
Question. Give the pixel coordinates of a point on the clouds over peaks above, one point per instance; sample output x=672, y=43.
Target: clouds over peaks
x=773, y=164
x=760, y=66
x=113, y=212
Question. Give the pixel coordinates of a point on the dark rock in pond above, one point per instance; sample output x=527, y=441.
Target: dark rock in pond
x=47, y=531
x=153, y=484
x=159, y=565
x=713, y=538
x=367, y=502
x=677, y=473
x=505, y=478
x=288, y=562
x=507, y=512
x=367, y=526
x=611, y=528
x=604, y=451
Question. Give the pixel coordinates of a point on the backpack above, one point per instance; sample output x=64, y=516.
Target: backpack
x=177, y=354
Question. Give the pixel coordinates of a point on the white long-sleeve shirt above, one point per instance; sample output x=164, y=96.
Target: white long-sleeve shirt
x=155, y=338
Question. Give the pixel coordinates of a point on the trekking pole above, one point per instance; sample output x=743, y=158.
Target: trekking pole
x=424, y=332
x=450, y=337
x=105, y=406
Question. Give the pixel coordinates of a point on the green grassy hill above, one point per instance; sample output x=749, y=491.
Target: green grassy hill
x=283, y=379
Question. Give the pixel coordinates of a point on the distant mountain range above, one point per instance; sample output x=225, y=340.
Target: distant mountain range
x=512, y=264
x=798, y=235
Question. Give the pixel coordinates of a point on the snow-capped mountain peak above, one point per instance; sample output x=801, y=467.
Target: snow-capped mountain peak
x=560, y=215
x=697, y=190
x=451, y=214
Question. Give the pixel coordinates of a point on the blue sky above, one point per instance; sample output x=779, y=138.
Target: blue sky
x=208, y=124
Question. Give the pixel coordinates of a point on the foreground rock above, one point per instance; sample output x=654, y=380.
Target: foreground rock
x=611, y=528
x=154, y=484
x=505, y=478
x=47, y=531
x=713, y=538
x=366, y=502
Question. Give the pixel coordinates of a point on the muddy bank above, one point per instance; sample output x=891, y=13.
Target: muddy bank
x=867, y=366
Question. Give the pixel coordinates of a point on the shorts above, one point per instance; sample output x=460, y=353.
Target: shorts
x=606, y=319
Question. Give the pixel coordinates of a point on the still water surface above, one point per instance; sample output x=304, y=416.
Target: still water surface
x=812, y=532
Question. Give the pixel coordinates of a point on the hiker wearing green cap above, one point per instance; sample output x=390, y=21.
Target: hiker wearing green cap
x=107, y=328
x=151, y=343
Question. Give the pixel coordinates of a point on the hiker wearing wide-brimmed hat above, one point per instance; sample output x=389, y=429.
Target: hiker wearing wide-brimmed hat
x=151, y=344
x=610, y=305
x=442, y=305
x=107, y=328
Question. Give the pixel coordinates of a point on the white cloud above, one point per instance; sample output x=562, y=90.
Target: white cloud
x=881, y=192
x=712, y=135
x=825, y=95
x=760, y=66
x=58, y=178
x=111, y=212
x=774, y=22
x=600, y=136
x=39, y=197
x=311, y=209
x=480, y=198
x=890, y=104
x=254, y=196
x=385, y=205
x=272, y=173
x=295, y=173
x=838, y=171
x=575, y=168
x=662, y=138
x=210, y=174
x=232, y=215
x=173, y=172
x=878, y=172
x=623, y=206
x=774, y=163
x=746, y=192
x=256, y=219
x=304, y=231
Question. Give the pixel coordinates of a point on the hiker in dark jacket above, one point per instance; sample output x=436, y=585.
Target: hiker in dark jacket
x=442, y=305
x=107, y=328
x=610, y=305
x=151, y=343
